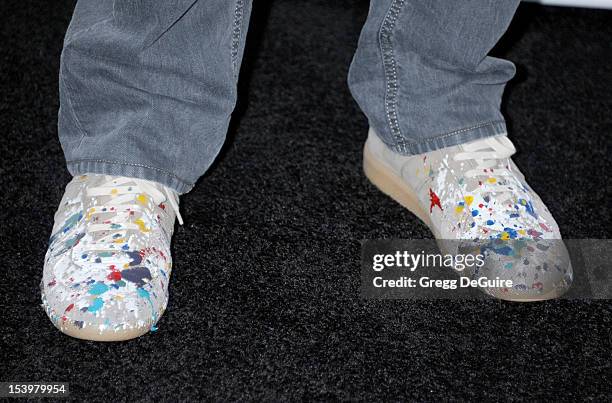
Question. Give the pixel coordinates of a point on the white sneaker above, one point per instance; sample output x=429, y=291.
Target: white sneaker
x=108, y=264
x=474, y=191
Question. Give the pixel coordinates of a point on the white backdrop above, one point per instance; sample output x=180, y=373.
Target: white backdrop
x=576, y=3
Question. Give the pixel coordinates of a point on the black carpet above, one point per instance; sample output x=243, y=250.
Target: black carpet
x=265, y=293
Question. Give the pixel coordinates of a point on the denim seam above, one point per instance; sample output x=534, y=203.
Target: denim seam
x=385, y=38
x=453, y=133
x=236, y=34
x=134, y=165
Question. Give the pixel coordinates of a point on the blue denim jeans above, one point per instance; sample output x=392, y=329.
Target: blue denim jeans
x=147, y=88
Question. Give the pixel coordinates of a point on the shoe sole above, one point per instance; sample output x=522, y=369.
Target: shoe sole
x=90, y=333
x=93, y=335
x=383, y=177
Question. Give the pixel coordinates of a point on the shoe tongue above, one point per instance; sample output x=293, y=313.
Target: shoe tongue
x=497, y=144
x=489, y=178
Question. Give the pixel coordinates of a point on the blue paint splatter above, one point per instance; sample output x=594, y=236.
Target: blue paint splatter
x=145, y=294
x=98, y=288
x=71, y=221
x=135, y=256
x=139, y=275
x=512, y=232
x=96, y=305
x=71, y=242
x=530, y=210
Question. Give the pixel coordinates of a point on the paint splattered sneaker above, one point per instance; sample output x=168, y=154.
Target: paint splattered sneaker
x=108, y=264
x=473, y=195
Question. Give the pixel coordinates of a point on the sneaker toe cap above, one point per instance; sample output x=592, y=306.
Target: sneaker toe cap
x=101, y=309
x=540, y=271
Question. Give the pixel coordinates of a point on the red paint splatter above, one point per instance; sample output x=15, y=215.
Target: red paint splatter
x=115, y=276
x=545, y=227
x=434, y=200
x=534, y=234
x=162, y=206
x=69, y=308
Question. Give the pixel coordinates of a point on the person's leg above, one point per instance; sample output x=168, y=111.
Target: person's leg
x=147, y=87
x=437, y=141
x=422, y=76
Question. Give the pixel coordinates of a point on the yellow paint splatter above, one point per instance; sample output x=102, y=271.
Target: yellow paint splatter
x=90, y=213
x=120, y=240
x=141, y=225
x=458, y=209
x=491, y=180
x=142, y=199
x=522, y=232
x=505, y=236
x=468, y=200
x=114, y=192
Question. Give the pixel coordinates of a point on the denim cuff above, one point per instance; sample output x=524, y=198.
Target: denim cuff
x=467, y=134
x=131, y=170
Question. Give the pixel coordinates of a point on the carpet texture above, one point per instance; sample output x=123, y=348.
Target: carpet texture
x=265, y=292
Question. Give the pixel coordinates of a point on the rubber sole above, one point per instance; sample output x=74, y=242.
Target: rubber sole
x=105, y=336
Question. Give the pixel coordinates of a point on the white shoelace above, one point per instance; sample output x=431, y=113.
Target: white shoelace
x=486, y=153
x=124, y=201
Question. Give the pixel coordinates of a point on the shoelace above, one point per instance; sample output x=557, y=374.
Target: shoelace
x=486, y=153
x=125, y=194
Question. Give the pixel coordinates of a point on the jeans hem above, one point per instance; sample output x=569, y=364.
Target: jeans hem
x=132, y=170
x=456, y=137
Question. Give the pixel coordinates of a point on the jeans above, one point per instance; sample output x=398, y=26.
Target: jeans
x=147, y=88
